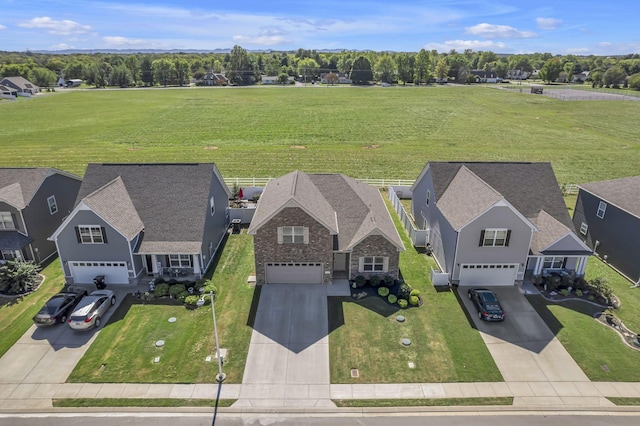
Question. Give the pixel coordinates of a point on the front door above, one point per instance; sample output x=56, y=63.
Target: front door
x=149, y=263
x=340, y=262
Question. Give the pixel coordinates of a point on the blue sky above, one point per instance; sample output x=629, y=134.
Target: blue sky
x=559, y=27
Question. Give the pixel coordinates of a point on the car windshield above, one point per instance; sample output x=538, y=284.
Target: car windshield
x=489, y=297
x=53, y=304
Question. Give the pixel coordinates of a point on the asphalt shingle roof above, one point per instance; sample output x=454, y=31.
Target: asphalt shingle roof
x=623, y=193
x=171, y=200
x=19, y=185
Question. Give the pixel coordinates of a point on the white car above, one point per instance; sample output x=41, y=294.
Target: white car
x=89, y=311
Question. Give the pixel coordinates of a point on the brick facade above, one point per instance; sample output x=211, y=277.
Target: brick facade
x=375, y=245
x=266, y=247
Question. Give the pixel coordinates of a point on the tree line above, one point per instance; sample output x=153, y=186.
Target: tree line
x=242, y=67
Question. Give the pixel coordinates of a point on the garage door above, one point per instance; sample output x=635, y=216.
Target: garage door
x=488, y=274
x=114, y=272
x=294, y=273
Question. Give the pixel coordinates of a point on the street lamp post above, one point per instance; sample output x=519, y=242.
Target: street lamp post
x=221, y=376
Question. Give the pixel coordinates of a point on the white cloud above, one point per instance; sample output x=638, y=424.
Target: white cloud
x=605, y=44
x=578, y=50
x=465, y=44
x=124, y=42
x=3, y=27
x=64, y=27
x=548, y=23
x=62, y=46
x=498, y=31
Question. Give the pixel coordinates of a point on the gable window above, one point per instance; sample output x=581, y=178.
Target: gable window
x=374, y=264
x=495, y=237
x=53, y=206
x=428, y=196
x=6, y=221
x=602, y=208
x=180, y=260
x=90, y=234
x=584, y=228
x=212, y=206
x=553, y=262
x=293, y=235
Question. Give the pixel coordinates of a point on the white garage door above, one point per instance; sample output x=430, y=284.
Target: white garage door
x=85, y=272
x=488, y=274
x=294, y=273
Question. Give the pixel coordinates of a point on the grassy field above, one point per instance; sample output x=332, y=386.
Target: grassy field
x=363, y=132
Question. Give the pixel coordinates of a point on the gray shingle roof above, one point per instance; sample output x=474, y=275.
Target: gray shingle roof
x=623, y=193
x=358, y=208
x=549, y=231
x=171, y=200
x=19, y=185
x=529, y=187
x=19, y=81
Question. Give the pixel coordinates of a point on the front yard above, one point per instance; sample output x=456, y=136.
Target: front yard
x=444, y=348
x=125, y=350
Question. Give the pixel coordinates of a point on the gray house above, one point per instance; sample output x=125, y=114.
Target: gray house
x=33, y=203
x=314, y=228
x=21, y=85
x=135, y=219
x=607, y=215
x=490, y=223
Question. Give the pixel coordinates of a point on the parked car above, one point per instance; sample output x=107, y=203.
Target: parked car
x=89, y=311
x=57, y=309
x=487, y=304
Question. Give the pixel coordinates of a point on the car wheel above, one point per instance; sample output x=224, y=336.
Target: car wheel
x=469, y=294
x=479, y=314
x=63, y=318
x=113, y=300
x=97, y=322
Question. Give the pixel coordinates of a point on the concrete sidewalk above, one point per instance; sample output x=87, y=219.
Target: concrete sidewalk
x=565, y=395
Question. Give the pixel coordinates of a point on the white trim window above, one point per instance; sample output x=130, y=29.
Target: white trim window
x=180, y=260
x=553, y=262
x=293, y=235
x=602, y=209
x=53, y=206
x=584, y=228
x=11, y=255
x=6, y=221
x=491, y=237
x=212, y=206
x=373, y=264
x=428, y=196
x=91, y=234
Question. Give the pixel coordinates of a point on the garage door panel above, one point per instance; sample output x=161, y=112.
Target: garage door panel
x=294, y=273
x=114, y=272
x=488, y=274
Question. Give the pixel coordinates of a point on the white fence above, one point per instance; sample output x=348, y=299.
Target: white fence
x=253, y=181
x=419, y=237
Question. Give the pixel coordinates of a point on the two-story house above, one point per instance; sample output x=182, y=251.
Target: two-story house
x=33, y=202
x=135, y=219
x=314, y=228
x=490, y=223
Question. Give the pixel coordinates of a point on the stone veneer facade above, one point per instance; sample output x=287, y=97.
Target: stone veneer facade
x=375, y=245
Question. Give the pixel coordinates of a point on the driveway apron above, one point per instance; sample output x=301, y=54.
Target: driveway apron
x=288, y=359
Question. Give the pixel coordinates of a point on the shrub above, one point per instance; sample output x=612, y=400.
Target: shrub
x=191, y=300
x=18, y=277
x=392, y=298
x=404, y=291
x=389, y=280
x=374, y=280
x=176, y=289
x=564, y=292
x=162, y=289
x=172, y=281
x=158, y=280
x=414, y=300
x=383, y=291
x=360, y=281
x=402, y=303
x=601, y=287
x=578, y=292
x=209, y=287
x=183, y=295
x=414, y=292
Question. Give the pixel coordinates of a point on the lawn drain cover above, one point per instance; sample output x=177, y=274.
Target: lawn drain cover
x=411, y=365
x=406, y=342
x=400, y=318
x=605, y=368
x=156, y=360
x=172, y=319
x=355, y=372
x=159, y=343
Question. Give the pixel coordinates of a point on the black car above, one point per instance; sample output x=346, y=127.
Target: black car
x=58, y=308
x=487, y=304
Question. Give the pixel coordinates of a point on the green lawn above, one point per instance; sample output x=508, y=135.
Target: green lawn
x=363, y=132
x=445, y=347
x=125, y=349
x=432, y=402
x=16, y=314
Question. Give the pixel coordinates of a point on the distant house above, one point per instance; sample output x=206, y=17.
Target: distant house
x=269, y=79
x=33, y=202
x=517, y=75
x=343, y=78
x=607, y=214
x=214, y=79
x=314, y=228
x=7, y=92
x=484, y=76
x=74, y=82
x=152, y=219
x=21, y=85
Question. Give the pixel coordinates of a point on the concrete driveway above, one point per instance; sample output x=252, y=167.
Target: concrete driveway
x=288, y=359
x=522, y=346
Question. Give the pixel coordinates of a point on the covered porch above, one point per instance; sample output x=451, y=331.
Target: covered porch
x=181, y=267
x=546, y=265
x=13, y=246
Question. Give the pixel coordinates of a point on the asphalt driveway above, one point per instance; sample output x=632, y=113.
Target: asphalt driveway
x=522, y=346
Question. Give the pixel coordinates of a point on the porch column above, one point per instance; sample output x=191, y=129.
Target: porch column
x=538, y=268
x=154, y=264
x=582, y=264
x=196, y=264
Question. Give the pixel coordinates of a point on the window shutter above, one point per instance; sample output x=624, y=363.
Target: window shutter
x=481, y=238
x=506, y=242
x=280, y=235
x=104, y=235
x=306, y=235
x=360, y=264
x=78, y=234
x=385, y=264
